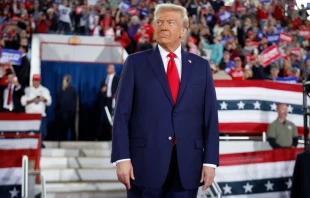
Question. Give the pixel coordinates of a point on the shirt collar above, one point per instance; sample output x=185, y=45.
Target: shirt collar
x=164, y=53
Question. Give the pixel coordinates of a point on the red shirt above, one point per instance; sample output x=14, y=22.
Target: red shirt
x=148, y=29
x=296, y=23
x=42, y=27
x=237, y=74
x=278, y=13
x=262, y=14
x=106, y=22
x=123, y=39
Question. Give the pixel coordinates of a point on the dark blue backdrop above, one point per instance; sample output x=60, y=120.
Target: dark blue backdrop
x=86, y=78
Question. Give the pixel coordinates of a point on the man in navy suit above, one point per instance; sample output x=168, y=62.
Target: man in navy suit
x=165, y=133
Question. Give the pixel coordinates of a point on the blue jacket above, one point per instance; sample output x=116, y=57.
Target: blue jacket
x=146, y=118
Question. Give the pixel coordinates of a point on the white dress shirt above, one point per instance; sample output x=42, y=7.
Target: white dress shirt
x=39, y=107
x=178, y=62
x=108, y=83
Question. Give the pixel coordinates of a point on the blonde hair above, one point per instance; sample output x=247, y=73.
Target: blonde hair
x=66, y=81
x=171, y=7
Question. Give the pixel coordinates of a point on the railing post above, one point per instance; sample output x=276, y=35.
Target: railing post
x=264, y=136
x=25, y=177
x=43, y=187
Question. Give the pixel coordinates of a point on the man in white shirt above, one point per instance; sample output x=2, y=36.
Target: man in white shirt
x=64, y=17
x=108, y=89
x=35, y=100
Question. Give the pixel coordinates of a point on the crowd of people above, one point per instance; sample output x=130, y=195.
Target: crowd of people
x=230, y=36
x=240, y=37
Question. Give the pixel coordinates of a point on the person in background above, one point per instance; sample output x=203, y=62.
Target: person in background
x=282, y=133
x=11, y=93
x=237, y=72
x=106, y=96
x=35, y=101
x=43, y=24
x=274, y=73
x=23, y=70
x=221, y=74
x=66, y=100
x=64, y=17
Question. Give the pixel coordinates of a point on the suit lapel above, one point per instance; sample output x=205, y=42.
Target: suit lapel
x=158, y=67
x=187, y=66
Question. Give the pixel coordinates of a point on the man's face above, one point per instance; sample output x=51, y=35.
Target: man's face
x=238, y=64
x=168, y=29
x=36, y=83
x=226, y=56
x=110, y=69
x=274, y=72
x=282, y=111
x=10, y=78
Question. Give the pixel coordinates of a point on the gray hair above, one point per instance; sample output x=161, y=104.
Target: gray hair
x=171, y=7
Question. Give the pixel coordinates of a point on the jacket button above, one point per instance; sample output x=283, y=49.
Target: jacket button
x=169, y=138
x=174, y=114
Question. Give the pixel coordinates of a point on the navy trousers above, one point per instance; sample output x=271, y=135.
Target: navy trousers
x=172, y=187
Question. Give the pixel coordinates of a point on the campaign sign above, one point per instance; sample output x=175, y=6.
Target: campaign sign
x=308, y=6
x=14, y=56
x=270, y=55
x=225, y=39
x=304, y=33
x=292, y=79
x=124, y=6
x=264, y=1
x=225, y=16
x=287, y=38
x=260, y=35
x=209, y=18
x=280, y=29
x=273, y=38
x=296, y=51
x=241, y=9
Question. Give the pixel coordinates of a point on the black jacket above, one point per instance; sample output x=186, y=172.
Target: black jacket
x=114, y=85
x=17, y=95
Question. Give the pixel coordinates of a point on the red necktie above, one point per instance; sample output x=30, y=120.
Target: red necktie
x=10, y=95
x=173, y=80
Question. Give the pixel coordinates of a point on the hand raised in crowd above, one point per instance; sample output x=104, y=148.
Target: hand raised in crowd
x=16, y=83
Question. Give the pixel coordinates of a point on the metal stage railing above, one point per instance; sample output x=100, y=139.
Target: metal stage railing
x=25, y=180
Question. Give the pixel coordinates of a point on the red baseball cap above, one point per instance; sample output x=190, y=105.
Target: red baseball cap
x=237, y=59
x=250, y=32
x=248, y=40
x=252, y=58
x=36, y=77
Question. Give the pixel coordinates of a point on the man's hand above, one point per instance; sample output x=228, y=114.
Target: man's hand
x=104, y=89
x=42, y=99
x=125, y=172
x=207, y=175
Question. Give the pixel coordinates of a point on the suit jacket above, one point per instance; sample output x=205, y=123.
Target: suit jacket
x=115, y=82
x=17, y=95
x=301, y=176
x=23, y=72
x=66, y=101
x=146, y=118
